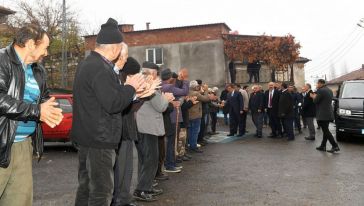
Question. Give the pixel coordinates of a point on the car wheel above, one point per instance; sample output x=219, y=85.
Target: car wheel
x=340, y=136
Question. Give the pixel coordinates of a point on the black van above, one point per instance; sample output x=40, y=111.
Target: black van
x=349, y=109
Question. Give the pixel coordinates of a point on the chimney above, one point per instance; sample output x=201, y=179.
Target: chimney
x=148, y=25
x=124, y=28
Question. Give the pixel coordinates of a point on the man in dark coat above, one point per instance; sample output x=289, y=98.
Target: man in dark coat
x=99, y=100
x=271, y=104
x=232, y=71
x=123, y=169
x=225, y=109
x=256, y=106
x=309, y=111
x=297, y=104
x=236, y=104
x=286, y=112
x=324, y=114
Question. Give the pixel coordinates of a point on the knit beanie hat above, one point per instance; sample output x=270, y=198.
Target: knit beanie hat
x=131, y=66
x=109, y=33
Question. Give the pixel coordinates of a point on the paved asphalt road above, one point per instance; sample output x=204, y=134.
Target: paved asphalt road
x=245, y=171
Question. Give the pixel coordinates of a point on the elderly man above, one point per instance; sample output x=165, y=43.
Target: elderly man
x=174, y=120
x=309, y=111
x=150, y=126
x=256, y=106
x=23, y=97
x=99, y=99
x=271, y=104
x=195, y=114
x=324, y=114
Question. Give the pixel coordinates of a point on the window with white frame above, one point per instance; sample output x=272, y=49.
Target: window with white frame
x=154, y=55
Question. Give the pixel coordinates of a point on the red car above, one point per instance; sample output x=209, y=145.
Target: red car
x=61, y=132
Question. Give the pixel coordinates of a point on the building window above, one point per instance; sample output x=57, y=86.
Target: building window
x=155, y=55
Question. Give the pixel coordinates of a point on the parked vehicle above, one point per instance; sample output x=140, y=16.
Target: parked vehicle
x=349, y=110
x=61, y=132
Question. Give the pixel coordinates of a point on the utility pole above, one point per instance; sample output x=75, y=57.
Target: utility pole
x=64, y=48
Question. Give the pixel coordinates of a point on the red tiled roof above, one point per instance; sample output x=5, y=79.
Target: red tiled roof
x=354, y=75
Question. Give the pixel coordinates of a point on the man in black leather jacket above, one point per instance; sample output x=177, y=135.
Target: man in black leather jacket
x=23, y=104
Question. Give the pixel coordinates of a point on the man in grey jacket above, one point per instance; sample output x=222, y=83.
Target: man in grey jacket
x=324, y=114
x=150, y=125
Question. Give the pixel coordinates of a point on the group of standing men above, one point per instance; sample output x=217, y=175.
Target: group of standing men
x=285, y=107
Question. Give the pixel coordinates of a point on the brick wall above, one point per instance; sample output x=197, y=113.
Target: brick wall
x=168, y=36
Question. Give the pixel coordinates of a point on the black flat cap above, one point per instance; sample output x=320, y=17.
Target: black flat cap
x=150, y=65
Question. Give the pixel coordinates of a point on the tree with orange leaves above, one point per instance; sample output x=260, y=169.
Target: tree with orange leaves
x=279, y=53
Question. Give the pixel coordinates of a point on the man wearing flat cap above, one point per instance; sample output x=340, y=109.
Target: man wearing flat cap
x=150, y=125
x=99, y=100
x=175, y=117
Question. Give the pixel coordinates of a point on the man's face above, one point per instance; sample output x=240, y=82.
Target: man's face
x=304, y=88
x=115, y=51
x=290, y=88
x=229, y=88
x=183, y=74
x=123, y=56
x=271, y=86
x=318, y=85
x=38, y=50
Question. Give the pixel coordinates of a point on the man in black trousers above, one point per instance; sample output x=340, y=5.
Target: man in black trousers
x=236, y=104
x=256, y=106
x=271, y=104
x=324, y=114
x=286, y=111
x=309, y=111
x=99, y=100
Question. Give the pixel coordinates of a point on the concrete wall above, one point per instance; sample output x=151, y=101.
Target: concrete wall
x=205, y=60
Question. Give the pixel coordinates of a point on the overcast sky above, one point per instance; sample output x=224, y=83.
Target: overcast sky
x=327, y=30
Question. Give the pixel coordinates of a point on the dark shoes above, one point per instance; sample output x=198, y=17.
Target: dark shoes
x=162, y=177
x=230, y=135
x=334, y=149
x=154, y=192
x=196, y=150
x=272, y=136
x=130, y=204
x=143, y=196
x=321, y=148
x=240, y=135
x=310, y=138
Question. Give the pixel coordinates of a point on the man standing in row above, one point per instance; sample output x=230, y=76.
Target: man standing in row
x=271, y=104
x=256, y=106
x=99, y=99
x=309, y=111
x=245, y=93
x=236, y=104
x=150, y=125
x=286, y=111
x=23, y=97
